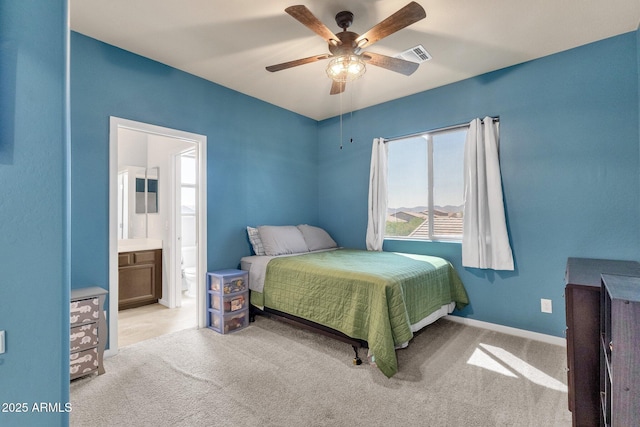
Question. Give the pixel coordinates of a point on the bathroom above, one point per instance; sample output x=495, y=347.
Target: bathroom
x=157, y=213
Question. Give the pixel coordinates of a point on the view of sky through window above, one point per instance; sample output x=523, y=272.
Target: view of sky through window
x=409, y=183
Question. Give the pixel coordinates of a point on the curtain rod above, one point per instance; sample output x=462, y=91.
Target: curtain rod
x=452, y=127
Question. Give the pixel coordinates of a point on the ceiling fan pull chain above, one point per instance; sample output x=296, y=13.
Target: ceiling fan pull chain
x=341, y=121
x=351, y=114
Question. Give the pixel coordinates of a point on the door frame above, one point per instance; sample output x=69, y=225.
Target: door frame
x=116, y=123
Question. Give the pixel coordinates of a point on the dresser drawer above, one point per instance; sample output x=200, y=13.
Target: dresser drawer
x=84, y=311
x=84, y=337
x=125, y=259
x=134, y=258
x=83, y=362
x=144, y=257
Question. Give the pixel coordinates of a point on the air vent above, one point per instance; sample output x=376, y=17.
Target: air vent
x=416, y=54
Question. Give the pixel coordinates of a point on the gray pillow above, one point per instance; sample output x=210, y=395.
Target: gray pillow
x=281, y=240
x=316, y=237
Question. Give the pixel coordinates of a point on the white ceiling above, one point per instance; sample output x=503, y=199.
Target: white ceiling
x=230, y=42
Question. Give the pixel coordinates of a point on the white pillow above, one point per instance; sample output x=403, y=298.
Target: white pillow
x=316, y=237
x=281, y=240
x=256, y=242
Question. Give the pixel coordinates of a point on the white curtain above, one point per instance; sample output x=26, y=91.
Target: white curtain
x=485, y=242
x=377, y=195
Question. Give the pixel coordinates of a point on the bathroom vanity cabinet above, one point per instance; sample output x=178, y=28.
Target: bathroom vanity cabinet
x=139, y=278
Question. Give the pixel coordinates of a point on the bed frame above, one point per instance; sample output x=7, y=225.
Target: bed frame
x=355, y=343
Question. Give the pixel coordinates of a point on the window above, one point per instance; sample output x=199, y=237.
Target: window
x=188, y=183
x=188, y=208
x=426, y=186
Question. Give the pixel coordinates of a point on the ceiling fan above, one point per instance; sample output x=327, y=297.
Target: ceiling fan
x=347, y=58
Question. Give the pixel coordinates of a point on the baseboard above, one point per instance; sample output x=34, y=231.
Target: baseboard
x=549, y=339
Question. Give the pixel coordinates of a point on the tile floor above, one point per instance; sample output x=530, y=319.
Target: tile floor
x=149, y=321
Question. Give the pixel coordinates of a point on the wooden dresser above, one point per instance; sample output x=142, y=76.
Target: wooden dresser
x=620, y=355
x=139, y=278
x=582, y=299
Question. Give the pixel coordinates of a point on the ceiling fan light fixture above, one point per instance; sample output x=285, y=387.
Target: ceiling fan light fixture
x=346, y=68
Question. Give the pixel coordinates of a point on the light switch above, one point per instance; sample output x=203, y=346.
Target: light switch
x=1, y=342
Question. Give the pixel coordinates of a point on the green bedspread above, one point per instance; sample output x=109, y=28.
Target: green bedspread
x=372, y=296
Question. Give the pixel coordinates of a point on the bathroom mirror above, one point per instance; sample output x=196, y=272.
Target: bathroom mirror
x=147, y=191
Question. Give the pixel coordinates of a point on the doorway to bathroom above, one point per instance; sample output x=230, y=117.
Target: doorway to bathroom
x=166, y=196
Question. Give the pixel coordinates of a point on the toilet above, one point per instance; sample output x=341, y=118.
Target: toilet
x=189, y=270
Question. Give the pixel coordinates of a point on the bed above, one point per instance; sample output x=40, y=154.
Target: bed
x=378, y=298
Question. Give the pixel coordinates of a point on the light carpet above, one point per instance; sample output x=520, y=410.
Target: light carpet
x=274, y=374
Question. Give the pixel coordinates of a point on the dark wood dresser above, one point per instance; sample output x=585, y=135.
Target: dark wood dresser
x=582, y=299
x=620, y=355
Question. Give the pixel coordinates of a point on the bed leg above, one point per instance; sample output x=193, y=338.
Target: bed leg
x=356, y=360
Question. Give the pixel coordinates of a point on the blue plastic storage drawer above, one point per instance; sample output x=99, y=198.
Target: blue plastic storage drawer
x=225, y=323
x=228, y=281
x=229, y=303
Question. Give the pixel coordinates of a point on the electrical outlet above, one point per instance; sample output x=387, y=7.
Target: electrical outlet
x=545, y=305
x=1, y=342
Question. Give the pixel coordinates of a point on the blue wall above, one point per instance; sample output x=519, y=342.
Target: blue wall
x=262, y=159
x=569, y=156
x=34, y=267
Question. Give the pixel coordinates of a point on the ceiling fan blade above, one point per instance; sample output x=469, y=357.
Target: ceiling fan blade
x=306, y=18
x=394, y=64
x=406, y=16
x=337, y=87
x=297, y=62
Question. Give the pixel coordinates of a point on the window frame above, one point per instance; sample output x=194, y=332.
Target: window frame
x=428, y=136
